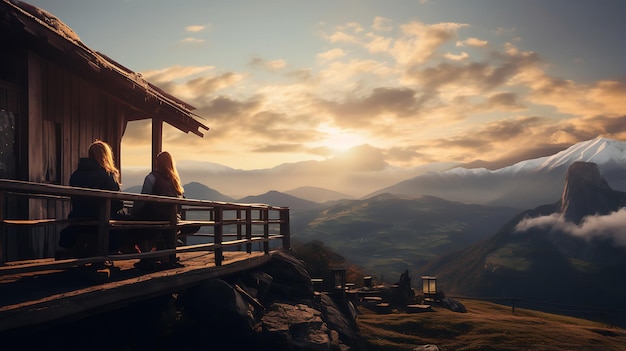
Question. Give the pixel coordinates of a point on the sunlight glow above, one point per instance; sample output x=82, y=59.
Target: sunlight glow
x=340, y=140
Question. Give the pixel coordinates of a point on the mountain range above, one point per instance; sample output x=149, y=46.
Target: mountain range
x=525, y=184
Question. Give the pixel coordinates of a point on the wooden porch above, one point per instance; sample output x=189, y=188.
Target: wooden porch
x=40, y=291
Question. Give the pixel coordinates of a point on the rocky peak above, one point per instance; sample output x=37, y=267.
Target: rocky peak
x=586, y=193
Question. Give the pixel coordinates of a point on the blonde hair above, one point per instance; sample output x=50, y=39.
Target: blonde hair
x=165, y=166
x=102, y=153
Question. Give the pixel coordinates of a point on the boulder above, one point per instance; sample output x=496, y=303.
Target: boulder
x=452, y=304
x=217, y=305
x=297, y=327
x=290, y=278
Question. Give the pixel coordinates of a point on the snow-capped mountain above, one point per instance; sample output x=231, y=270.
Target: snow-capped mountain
x=600, y=151
x=525, y=184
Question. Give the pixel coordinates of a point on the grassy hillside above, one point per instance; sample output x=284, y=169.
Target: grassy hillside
x=387, y=234
x=487, y=326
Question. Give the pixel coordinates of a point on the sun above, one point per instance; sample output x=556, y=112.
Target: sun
x=340, y=140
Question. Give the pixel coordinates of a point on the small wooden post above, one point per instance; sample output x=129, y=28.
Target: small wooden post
x=284, y=228
x=239, y=229
x=248, y=230
x=218, y=235
x=3, y=230
x=170, y=234
x=265, y=214
x=103, y=227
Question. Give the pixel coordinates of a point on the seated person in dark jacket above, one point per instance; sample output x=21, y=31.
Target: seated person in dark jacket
x=163, y=181
x=97, y=171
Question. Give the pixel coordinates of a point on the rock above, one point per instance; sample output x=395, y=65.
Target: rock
x=217, y=304
x=452, y=304
x=340, y=318
x=586, y=193
x=290, y=279
x=295, y=326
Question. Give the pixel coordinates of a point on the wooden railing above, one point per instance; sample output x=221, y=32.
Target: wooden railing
x=222, y=225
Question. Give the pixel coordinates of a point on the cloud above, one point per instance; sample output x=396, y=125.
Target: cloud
x=360, y=112
x=192, y=83
x=174, y=73
x=331, y=55
x=609, y=226
x=420, y=42
x=377, y=43
x=342, y=37
x=476, y=77
x=190, y=40
x=587, y=99
x=473, y=42
x=270, y=65
x=505, y=101
x=137, y=133
x=488, y=140
x=382, y=24
x=458, y=57
x=196, y=28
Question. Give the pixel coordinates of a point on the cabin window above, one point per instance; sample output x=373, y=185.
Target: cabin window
x=52, y=151
x=7, y=145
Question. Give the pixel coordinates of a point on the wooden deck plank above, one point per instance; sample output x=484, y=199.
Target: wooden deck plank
x=37, y=298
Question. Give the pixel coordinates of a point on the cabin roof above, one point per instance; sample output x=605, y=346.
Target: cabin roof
x=48, y=35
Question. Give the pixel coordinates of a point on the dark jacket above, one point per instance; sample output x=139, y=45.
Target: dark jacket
x=91, y=175
x=155, y=183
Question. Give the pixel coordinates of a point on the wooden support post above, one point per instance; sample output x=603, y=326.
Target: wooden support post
x=157, y=139
x=284, y=229
x=218, y=235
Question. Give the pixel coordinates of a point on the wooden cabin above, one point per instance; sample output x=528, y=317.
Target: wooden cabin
x=56, y=97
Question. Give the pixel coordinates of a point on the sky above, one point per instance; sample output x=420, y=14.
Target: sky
x=389, y=83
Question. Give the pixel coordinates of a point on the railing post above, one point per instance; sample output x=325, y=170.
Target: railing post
x=248, y=230
x=103, y=227
x=285, y=230
x=3, y=230
x=218, y=235
x=170, y=234
x=266, y=229
x=239, y=229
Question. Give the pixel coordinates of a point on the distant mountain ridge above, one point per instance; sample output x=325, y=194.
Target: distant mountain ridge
x=317, y=194
x=525, y=184
x=276, y=198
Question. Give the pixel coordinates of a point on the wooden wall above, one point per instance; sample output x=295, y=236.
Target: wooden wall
x=65, y=115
